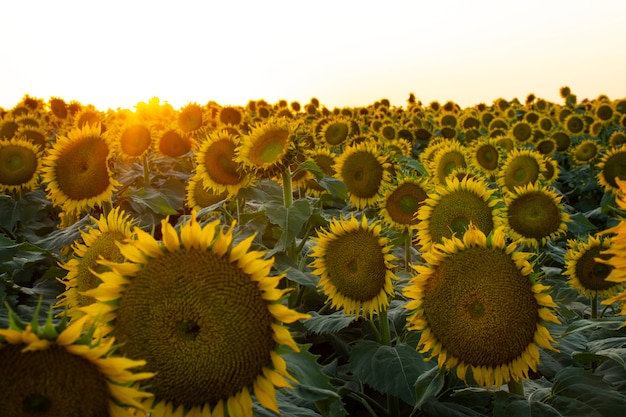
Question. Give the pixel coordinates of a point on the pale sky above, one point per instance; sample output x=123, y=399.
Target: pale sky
x=116, y=53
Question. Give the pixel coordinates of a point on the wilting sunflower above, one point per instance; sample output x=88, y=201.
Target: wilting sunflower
x=535, y=215
x=354, y=263
x=446, y=160
x=197, y=196
x=99, y=242
x=450, y=208
x=268, y=148
x=60, y=370
x=486, y=155
x=77, y=170
x=521, y=167
x=586, y=152
x=585, y=273
x=216, y=164
x=612, y=166
x=401, y=201
x=478, y=308
x=204, y=314
x=19, y=165
x=364, y=171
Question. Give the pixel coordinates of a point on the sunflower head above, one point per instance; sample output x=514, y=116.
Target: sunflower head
x=521, y=167
x=612, y=167
x=354, y=263
x=586, y=152
x=486, y=155
x=479, y=309
x=134, y=138
x=229, y=115
x=447, y=159
x=617, y=138
x=192, y=118
x=173, y=143
x=59, y=368
x=19, y=165
x=204, y=313
x=197, y=196
x=522, y=131
x=336, y=131
x=574, y=124
x=401, y=201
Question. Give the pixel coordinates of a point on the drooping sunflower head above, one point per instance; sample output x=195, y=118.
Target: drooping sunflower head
x=612, y=166
x=450, y=209
x=58, y=107
x=77, y=169
x=354, y=263
x=364, y=171
x=98, y=242
x=585, y=152
x=478, y=308
x=215, y=163
x=521, y=167
x=60, y=369
x=584, y=273
x=269, y=147
x=206, y=316
x=401, y=201
x=19, y=165
x=535, y=215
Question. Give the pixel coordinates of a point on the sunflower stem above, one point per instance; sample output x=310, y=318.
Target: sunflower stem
x=408, y=243
x=146, y=171
x=516, y=387
x=594, y=306
x=287, y=187
x=385, y=333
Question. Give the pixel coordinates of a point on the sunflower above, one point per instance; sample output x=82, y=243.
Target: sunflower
x=204, y=314
x=77, y=169
x=36, y=135
x=268, y=148
x=58, y=107
x=478, y=307
x=586, y=152
x=173, y=143
x=364, y=171
x=486, y=155
x=19, y=165
x=229, y=115
x=535, y=215
x=585, y=273
x=617, y=138
x=89, y=116
x=551, y=169
x=612, y=166
x=354, y=263
x=191, y=119
x=401, y=201
x=60, y=370
x=450, y=208
x=134, y=138
x=197, y=196
x=325, y=159
x=446, y=160
x=335, y=131
x=521, y=167
x=99, y=242
x=215, y=164
x=522, y=131
x=574, y=124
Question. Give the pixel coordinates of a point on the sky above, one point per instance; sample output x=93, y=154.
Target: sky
x=114, y=54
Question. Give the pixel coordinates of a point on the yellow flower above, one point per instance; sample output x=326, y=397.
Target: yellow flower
x=19, y=165
x=612, y=167
x=478, y=309
x=354, y=264
x=521, y=167
x=401, y=201
x=205, y=315
x=586, y=152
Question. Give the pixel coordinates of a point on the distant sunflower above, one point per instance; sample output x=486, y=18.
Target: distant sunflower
x=20, y=160
x=197, y=196
x=401, y=201
x=617, y=138
x=574, y=124
x=215, y=163
x=450, y=209
x=522, y=131
x=335, y=132
x=584, y=273
x=546, y=146
x=486, y=155
x=173, y=143
x=365, y=173
x=447, y=159
x=268, y=148
x=59, y=370
x=551, y=169
x=478, y=308
x=535, y=215
x=586, y=152
x=89, y=116
x=192, y=119
x=134, y=139
x=354, y=263
x=77, y=170
x=562, y=139
x=229, y=115
x=521, y=167
x=99, y=242
x=204, y=314
x=612, y=166
x=36, y=135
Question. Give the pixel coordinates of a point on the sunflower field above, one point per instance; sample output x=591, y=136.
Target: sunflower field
x=289, y=259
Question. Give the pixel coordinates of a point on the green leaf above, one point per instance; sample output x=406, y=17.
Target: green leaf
x=434, y=407
x=388, y=369
x=312, y=167
x=616, y=354
x=428, y=385
x=507, y=405
x=610, y=323
x=291, y=220
x=335, y=187
x=326, y=324
x=580, y=225
x=153, y=199
x=577, y=392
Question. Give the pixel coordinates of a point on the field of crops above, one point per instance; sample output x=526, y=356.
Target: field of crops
x=288, y=258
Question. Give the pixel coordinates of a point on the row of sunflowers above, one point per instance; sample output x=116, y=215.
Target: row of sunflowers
x=425, y=260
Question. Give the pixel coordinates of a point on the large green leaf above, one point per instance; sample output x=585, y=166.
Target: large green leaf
x=428, y=385
x=326, y=324
x=507, y=405
x=290, y=219
x=388, y=369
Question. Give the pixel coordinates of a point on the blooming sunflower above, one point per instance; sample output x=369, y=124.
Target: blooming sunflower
x=612, y=166
x=325, y=159
x=19, y=165
x=268, y=148
x=522, y=131
x=335, y=131
x=215, y=164
x=535, y=215
x=478, y=307
x=585, y=273
x=486, y=155
x=447, y=159
x=521, y=167
x=134, y=138
x=204, y=314
x=77, y=170
x=617, y=138
x=174, y=144
x=365, y=173
x=197, y=196
x=401, y=201
x=450, y=208
x=191, y=119
x=59, y=370
x=354, y=263
x=585, y=152
x=99, y=242
x=574, y=124
x=230, y=115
